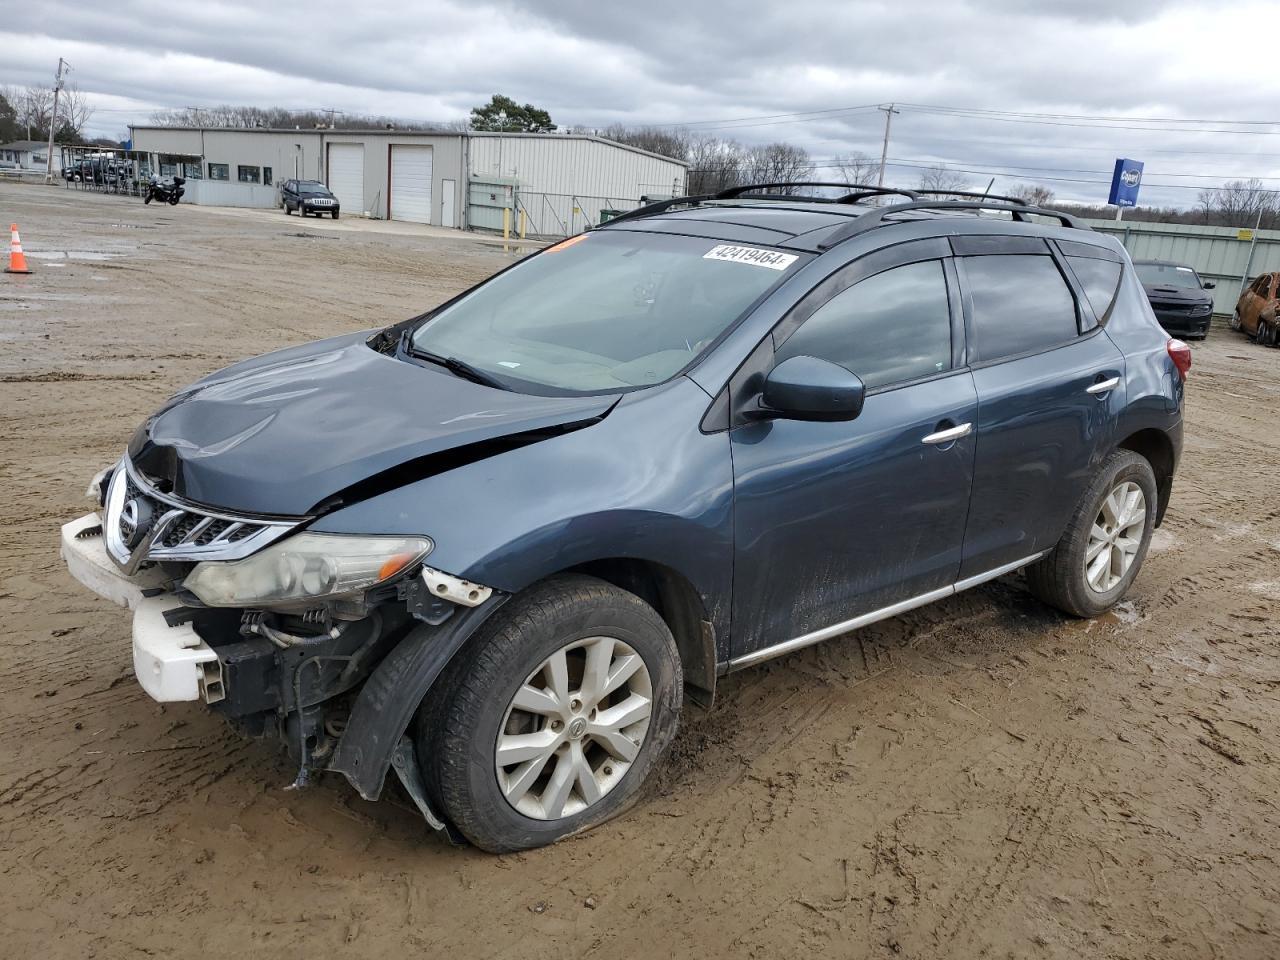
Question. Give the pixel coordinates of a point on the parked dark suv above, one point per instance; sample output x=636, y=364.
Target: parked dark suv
x=493, y=546
x=308, y=196
x=1180, y=299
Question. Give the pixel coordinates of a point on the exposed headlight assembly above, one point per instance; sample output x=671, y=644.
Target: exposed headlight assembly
x=306, y=566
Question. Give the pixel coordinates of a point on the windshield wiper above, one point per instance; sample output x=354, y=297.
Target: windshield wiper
x=459, y=367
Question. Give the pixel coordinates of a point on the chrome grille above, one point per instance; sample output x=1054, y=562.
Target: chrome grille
x=142, y=524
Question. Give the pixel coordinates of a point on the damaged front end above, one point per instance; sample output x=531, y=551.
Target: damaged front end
x=317, y=639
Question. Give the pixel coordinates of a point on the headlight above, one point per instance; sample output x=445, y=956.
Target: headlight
x=306, y=566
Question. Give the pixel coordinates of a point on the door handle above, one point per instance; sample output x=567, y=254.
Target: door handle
x=1103, y=386
x=951, y=433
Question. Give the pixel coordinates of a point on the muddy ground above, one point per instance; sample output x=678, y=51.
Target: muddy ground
x=979, y=778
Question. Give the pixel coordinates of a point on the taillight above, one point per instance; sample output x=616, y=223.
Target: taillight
x=1180, y=354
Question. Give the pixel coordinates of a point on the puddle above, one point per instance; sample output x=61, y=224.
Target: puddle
x=1266, y=588
x=1126, y=613
x=71, y=255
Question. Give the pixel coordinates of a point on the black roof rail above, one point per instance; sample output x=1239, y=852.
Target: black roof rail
x=648, y=210
x=875, y=218
x=972, y=193
x=865, y=192
x=734, y=192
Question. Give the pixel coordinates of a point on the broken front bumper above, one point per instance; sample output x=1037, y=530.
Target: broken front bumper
x=171, y=662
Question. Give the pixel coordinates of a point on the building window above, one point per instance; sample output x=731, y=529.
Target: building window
x=266, y=176
x=248, y=174
x=192, y=171
x=218, y=171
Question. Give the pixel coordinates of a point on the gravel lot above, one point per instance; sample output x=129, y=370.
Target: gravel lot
x=979, y=778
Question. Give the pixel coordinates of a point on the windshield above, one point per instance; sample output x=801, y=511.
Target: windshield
x=310, y=186
x=603, y=311
x=1167, y=275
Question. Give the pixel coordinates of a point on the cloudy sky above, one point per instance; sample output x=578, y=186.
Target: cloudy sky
x=968, y=74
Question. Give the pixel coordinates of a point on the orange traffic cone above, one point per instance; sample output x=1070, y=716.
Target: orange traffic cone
x=17, y=262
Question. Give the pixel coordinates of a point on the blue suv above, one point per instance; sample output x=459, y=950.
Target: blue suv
x=493, y=547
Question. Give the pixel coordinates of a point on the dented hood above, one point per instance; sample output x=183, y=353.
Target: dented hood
x=283, y=433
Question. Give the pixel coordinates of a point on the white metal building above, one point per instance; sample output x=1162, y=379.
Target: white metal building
x=551, y=184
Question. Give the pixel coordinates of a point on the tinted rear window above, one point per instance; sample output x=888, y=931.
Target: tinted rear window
x=1021, y=304
x=1100, y=280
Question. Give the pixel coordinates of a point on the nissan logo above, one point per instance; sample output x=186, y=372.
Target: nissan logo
x=1131, y=178
x=135, y=519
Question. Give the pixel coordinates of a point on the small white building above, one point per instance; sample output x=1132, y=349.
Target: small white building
x=550, y=184
x=32, y=155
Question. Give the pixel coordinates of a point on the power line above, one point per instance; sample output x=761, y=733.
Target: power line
x=1081, y=116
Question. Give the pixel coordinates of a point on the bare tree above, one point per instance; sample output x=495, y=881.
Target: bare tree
x=778, y=163
x=940, y=178
x=74, y=110
x=1239, y=202
x=35, y=110
x=228, y=115
x=667, y=143
x=1037, y=195
x=855, y=167
x=714, y=164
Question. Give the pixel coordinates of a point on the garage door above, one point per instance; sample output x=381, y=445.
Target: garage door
x=411, y=184
x=346, y=175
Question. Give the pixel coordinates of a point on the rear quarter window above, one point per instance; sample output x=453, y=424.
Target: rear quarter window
x=1021, y=304
x=1100, y=280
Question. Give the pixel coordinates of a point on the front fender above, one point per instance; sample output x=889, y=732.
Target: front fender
x=644, y=484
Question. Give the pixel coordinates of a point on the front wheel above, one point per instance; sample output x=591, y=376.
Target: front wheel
x=147, y=198
x=1235, y=319
x=1263, y=335
x=550, y=722
x=335, y=214
x=1106, y=541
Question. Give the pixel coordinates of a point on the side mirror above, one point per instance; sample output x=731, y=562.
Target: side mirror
x=1208, y=285
x=806, y=388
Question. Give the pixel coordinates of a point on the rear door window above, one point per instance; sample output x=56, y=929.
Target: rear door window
x=1100, y=280
x=891, y=327
x=1021, y=304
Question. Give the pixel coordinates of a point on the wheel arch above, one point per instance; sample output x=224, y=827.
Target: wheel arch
x=1157, y=449
x=681, y=607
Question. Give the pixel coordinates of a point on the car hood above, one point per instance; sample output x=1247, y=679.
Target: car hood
x=334, y=421
x=1189, y=295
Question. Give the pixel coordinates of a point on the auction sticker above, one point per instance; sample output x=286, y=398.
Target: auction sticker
x=751, y=255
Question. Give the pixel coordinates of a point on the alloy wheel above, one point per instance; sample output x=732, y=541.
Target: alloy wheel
x=573, y=728
x=1115, y=537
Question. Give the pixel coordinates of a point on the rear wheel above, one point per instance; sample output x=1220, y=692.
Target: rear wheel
x=554, y=717
x=1106, y=541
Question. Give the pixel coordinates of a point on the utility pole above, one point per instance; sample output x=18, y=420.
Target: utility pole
x=63, y=66
x=331, y=111
x=889, y=111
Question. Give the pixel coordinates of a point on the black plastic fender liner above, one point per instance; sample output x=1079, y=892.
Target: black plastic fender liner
x=390, y=697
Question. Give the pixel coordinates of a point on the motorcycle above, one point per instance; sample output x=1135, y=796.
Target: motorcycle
x=165, y=191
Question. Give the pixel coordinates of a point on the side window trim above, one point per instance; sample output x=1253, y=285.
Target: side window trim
x=845, y=276
x=1084, y=309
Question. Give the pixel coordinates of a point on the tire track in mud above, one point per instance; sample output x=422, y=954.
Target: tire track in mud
x=1036, y=801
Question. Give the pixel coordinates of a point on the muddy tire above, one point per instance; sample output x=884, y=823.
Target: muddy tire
x=550, y=722
x=1105, y=543
x=1235, y=319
